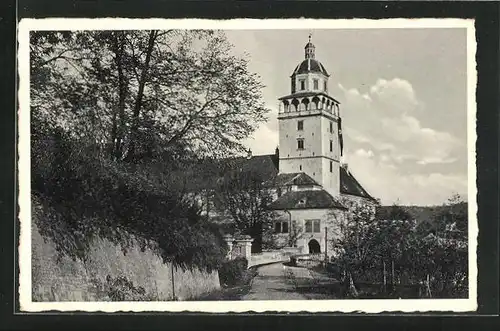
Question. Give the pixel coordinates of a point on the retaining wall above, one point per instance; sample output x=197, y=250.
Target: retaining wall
x=271, y=257
x=63, y=279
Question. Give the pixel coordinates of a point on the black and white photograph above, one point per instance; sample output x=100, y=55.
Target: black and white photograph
x=247, y=165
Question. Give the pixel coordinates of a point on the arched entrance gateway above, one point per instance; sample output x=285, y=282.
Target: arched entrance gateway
x=314, y=247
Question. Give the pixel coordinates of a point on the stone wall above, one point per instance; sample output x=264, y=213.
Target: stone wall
x=64, y=279
x=272, y=257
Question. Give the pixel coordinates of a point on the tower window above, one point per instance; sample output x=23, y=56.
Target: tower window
x=316, y=84
x=300, y=143
x=302, y=84
x=300, y=167
x=300, y=125
x=331, y=166
x=324, y=85
x=331, y=146
x=331, y=127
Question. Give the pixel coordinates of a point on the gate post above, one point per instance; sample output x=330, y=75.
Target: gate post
x=229, y=241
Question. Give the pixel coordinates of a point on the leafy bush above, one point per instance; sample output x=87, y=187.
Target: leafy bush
x=86, y=194
x=232, y=272
x=396, y=251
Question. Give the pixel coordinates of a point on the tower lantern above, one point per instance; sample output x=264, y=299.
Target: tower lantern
x=309, y=49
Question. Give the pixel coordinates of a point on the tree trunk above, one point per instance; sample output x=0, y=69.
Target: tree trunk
x=428, y=286
x=352, y=287
x=119, y=121
x=385, y=278
x=140, y=93
x=392, y=274
x=256, y=234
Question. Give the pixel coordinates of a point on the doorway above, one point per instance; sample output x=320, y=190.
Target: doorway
x=314, y=247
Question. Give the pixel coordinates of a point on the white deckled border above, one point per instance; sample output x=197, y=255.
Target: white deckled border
x=366, y=306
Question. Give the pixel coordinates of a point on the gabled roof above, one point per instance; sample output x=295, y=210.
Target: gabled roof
x=349, y=185
x=310, y=199
x=262, y=166
x=266, y=166
x=295, y=178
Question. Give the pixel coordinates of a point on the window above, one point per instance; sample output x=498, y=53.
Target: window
x=316, y=227
x=331, y=166
x=281, y=227
x=300, y=125
x=313, y=226
x=324, y=85
x=308, y=226
x=300, y=167
x=331, y=127
x=316, y=84
x=302, y=84
x=331, y=146
x=300, y=143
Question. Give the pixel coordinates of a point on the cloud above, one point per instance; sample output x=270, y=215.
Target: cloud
x=385, y=181
x=364, y=153
x=396, y=92
x=389, y=150
x=385, y=118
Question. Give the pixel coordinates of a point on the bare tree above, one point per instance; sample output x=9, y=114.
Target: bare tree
x=244, y=197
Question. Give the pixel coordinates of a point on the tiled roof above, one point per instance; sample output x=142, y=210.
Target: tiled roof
x=295, y=178
x=263, y=166
x=349, y=185
x=310, y=199
x=267, y=168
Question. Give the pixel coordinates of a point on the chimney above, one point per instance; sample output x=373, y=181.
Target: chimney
x=249, y=154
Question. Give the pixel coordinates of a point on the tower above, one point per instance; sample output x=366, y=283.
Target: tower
x=310, y=138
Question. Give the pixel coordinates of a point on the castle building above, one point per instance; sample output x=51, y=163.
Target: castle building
x=312, y=189
x=310, y=151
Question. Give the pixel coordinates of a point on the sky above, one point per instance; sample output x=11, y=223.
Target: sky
x=403, y=95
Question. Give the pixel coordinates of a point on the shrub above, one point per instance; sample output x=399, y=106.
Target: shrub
x=232, y=272
x=121, y=289
x=86, y=194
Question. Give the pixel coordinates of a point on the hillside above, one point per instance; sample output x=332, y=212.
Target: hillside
x=425, y=213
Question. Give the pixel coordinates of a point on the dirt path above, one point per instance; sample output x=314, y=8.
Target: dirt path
x=271, y=283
